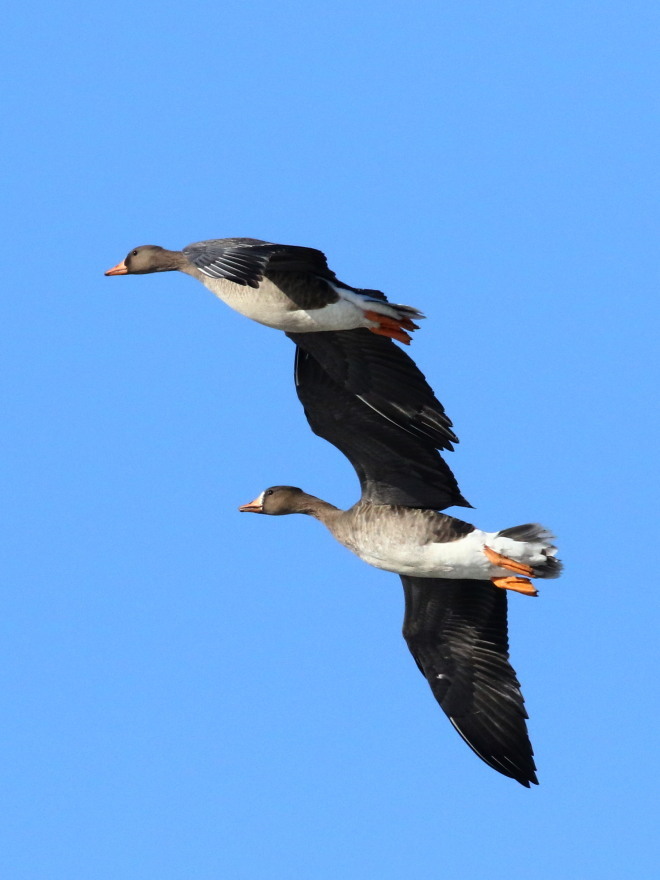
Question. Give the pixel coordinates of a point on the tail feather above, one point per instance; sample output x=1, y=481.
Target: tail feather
x=534, y=533
x=380, y=304
x=528, y=532
x=408, y=311
x=552, y=567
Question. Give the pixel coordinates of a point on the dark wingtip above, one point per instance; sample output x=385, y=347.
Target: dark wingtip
x=527, y=782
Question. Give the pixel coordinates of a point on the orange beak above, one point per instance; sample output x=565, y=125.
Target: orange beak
x=119, y=269
x=253, y=507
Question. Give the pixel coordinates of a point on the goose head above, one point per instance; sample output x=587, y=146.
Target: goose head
x=280, y=500
x=148, y=258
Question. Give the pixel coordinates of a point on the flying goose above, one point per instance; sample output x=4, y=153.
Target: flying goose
x=291, y=288
x=283, y=286
x=455, y=576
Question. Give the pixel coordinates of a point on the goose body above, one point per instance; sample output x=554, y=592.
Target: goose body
x=344, y=307
x=423, y=543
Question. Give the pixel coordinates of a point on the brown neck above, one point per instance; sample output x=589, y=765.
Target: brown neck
x=175, y=260
x=321, y=510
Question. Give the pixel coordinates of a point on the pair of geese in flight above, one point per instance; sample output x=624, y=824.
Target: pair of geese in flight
x=367, y=397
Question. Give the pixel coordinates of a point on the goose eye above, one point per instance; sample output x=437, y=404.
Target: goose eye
x=134, y=254
x=269, y=492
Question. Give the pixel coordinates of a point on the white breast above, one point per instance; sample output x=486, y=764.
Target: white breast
x=268, y=305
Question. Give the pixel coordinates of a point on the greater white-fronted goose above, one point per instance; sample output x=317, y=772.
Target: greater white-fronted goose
x=455, y=576
x=283, y=286
x=248, y=273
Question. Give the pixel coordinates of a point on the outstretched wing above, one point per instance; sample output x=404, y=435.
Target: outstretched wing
x=394, y=464
x=383, y=377
x=246, y=260
x=457, y=632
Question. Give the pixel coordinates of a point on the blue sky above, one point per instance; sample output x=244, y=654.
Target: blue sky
x=188, y=692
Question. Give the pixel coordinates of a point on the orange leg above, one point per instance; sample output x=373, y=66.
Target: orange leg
x=509, y=564
x=519, y=585
x=395, y=328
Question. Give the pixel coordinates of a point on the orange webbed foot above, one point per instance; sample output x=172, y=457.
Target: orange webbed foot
x=517, y=584
x=395, y=328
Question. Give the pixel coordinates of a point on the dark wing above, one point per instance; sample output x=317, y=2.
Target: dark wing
x=394, y=466
x=383, y=377
x=246, y=260
x=457, y=632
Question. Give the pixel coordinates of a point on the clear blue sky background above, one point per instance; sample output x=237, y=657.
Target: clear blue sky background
x=186, y=692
